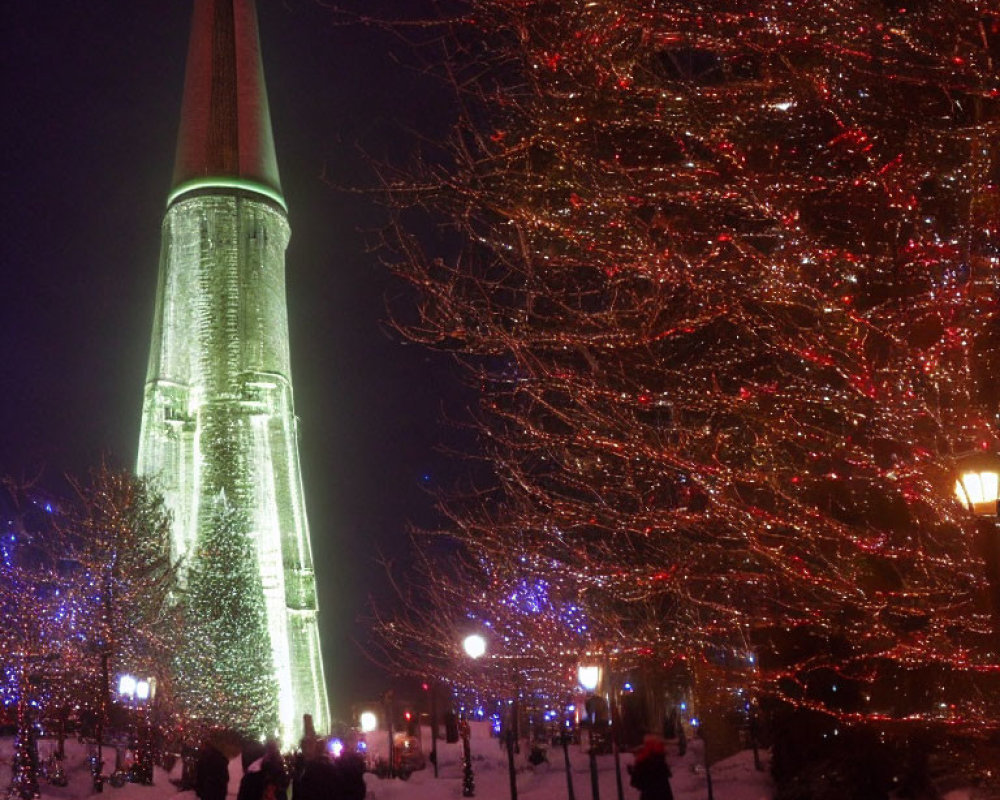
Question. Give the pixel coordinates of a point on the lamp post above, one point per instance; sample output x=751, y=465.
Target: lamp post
x=368, y=723
x=589, y=676
x=613, y=696
x=564, y=738
x=510, y=738
x=137, y=695
x=978, y=488
x=387, y=699
x=431, y=688
x=474, y=646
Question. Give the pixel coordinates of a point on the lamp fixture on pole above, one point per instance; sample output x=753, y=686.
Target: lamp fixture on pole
x=474, y=646
x=978, y=484
x=978, y=488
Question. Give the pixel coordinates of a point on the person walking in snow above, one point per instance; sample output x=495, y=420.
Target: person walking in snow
x=211, y=778
x=650, y=772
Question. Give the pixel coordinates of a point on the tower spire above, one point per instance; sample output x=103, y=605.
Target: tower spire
x=225, y=137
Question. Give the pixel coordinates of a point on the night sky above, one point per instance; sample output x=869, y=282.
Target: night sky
x=92, y=94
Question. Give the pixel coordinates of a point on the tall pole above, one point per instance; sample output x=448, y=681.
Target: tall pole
x=512, y=737
x=988, y=543
x=754, y=733
x=708, y=768
x=468, y=779
x=590, y=681
x=432, y=688
x=595, y=789
x=564, y=738
x=474, y=646
x=511, y=771
x=102, y=711
x=613, y=720
x=388, y=725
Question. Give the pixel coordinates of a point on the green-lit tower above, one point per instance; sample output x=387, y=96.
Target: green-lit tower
x=218, y=423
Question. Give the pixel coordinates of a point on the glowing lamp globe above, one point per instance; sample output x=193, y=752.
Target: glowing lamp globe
x=589, y=676
x=369, y=721
x=474, y=645
x=978, y=484
x=142, y=690
x=126, y=685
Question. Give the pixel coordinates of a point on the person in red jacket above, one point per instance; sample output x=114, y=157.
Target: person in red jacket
x=650, y=772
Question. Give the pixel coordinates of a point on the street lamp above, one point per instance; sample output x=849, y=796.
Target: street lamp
x=143, y=689
x=137, y=694
x=369, y=721
x=589, y=676
x=978, y=484
x=474, y=646
x=978, y=489
x=126, y=687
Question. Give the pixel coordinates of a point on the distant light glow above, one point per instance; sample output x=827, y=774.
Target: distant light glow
x=979, y=491
x=369, y=721
x=126, y=686
x=474, y=645
x=589, y=676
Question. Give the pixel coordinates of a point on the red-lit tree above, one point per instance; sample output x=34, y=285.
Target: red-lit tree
x=728, y=283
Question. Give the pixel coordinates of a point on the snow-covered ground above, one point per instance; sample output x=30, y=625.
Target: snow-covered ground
x=733, y=779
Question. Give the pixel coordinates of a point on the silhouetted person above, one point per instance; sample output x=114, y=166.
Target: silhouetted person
x=265, y=778
x=211, y=778
x=317, y=779
x=351, y=776
x=650, y=773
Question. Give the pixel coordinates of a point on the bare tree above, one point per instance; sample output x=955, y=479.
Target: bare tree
x=716, y=272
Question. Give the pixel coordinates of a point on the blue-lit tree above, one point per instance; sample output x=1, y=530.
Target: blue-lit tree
x=36, y=638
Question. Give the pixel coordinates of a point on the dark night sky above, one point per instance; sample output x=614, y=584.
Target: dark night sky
x=92, y=94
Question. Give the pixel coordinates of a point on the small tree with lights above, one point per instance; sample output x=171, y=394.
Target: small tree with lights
x=225, y=675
